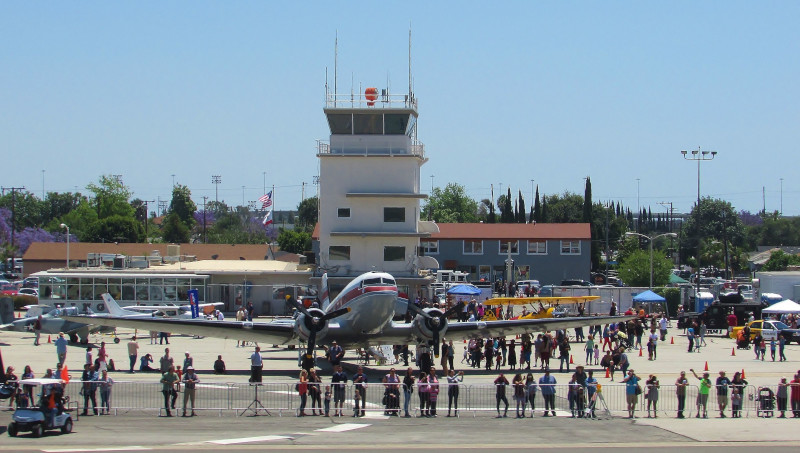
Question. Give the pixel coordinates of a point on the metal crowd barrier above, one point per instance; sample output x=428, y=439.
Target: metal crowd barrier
x=272, y=398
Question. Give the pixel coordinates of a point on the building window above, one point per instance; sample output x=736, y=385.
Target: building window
x=394, y=215
x=537, y=247
x=429, y=246
x=472, y=247
x=394, y=253
x=570, y=247
x=343, y=213
x=504, y=247
x=339, y=253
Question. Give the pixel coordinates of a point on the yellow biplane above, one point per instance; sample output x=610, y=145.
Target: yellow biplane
x=547, y=306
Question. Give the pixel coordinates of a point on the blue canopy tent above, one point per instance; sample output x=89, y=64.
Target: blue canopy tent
x=649, y=297
x=464, y=290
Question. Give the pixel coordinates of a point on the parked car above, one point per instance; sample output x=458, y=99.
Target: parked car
x=28, y=292
x=8, y=289
x=769, y=329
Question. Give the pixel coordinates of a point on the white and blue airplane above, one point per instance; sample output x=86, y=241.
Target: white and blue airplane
x=360, y=316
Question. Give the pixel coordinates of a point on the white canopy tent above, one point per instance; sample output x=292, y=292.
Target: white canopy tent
x=786, y=306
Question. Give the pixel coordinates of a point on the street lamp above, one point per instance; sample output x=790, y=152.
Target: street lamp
x=651, y=239
x=64, y=225
x=698, y=156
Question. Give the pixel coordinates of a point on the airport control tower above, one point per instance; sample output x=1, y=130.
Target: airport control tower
x=369, y=215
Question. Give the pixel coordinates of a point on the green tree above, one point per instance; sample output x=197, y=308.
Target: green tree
x=567, y=208
x=451, y=205
x=111, y=198
x=29, y=211
x=718, y=222
x=80, y=220
x=635, y=270
x=183, y=206
x=115, y=228
x=307, y=213
x=294, y=241
x=174, y=230
x=587, y=202
x=537, y=208
x=779, y=261
x=521, y=210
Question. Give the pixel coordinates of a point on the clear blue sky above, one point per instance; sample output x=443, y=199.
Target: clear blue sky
x=508, y=92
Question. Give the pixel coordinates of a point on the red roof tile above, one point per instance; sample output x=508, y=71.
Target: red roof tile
x=512, y=231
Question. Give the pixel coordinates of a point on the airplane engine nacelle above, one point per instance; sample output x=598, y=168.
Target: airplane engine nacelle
x=424, y=327
x=305, y=324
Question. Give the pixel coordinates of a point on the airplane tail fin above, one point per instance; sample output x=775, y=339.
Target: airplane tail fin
x=324, y=292
x=112, y=306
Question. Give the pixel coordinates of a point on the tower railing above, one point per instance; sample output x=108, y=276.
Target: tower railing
x=359, y=100
x=416, y=149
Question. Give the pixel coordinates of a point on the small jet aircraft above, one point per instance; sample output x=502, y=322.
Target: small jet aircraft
x=53, y=323
x=541, y=307
x=168, y=311
x=360, y=316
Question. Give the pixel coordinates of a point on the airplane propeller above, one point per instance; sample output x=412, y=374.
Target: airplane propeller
x=317, y=322
x=435, y=323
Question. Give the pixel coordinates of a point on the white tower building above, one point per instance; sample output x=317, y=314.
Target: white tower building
x=369, y=214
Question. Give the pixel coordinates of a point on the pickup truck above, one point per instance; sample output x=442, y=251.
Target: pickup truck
x=769, y=329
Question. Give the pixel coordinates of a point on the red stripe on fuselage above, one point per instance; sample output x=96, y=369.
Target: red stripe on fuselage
x=356, y=292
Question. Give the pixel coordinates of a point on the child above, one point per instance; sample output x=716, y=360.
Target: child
x=327, y=400
x=356, y=401
x=596, y=354
x=772, y=348
x=465, y=358
x=763, y=349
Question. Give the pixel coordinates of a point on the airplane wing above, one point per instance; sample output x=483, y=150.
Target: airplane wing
x=535, y=300
x=275, y=332
x=403, y=333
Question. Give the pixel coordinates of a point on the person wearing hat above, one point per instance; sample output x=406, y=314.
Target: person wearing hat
x=61, y=347
x=190, y=381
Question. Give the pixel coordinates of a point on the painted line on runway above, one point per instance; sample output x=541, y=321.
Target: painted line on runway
x=244, y=440
x=67, y=450
x=343, y=427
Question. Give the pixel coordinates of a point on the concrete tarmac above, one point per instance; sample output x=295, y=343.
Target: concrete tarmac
x=209, y=431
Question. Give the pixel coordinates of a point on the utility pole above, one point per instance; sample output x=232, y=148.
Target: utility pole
x=669, y=213
x=13, y=220
x=216, y=180
x=146, y=214
x=205, y=239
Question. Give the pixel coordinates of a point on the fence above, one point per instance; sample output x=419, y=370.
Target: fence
x=282, y=398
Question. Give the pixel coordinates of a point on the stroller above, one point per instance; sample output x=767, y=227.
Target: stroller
x=766, y=402
x=624, y=341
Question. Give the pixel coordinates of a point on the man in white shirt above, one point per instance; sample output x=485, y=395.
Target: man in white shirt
x=662, y=325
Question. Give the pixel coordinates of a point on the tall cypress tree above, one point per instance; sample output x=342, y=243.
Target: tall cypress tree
x=587, y=202
x=537, y=208
x=521, y=217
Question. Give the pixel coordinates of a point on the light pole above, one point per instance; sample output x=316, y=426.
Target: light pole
x=532, y=193
x=781, y=194
x=698, y=156
x=651, y=239
x=64, y=225
x=43, y=189
x=216, y=180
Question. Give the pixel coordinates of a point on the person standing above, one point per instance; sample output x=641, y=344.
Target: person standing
x=424, y=394
x=662, y=326
x=302, y=390
x=737, y=392
x=500, y=387
x=433, y=392
x=690, y=337
x=680, y=392
x=89, y=382
x=338, y=382
x=451, y=354
x=392, y=394
x=651, y=394
x=105, y=383
x=547, y=385
x=169, y=382
x=702, y=395
x=190, y=381
x=722, y=393
x=408, y=390
x=165, y=362
x=453, y=382
x=530, y=392
x=631, y=392
x=133, y=353
x=37, y=330
x=61, y=347
x=187, y=360
x=563, y=349
x=335, y=353
x=781, y=346
x=519, y=395
x=589, y=348
x=256, y=365
x=315, y=392
x=360, y=383
x=795, y=395
x=250, y=310
x=782, y=395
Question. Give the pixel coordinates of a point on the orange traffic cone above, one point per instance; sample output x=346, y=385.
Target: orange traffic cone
x=671, y=340
x=743, y=377
x=706, y=368
x=48, y=339
x=570, y=359
x=640, y=352
x=733, y=351
x=608, y=374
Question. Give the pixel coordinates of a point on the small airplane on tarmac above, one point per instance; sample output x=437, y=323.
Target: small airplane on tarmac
x=360, y=316
x=53, y=323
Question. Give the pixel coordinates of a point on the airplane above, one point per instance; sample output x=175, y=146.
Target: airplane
x=170, y=311
x=360, y=316
x=53, y=323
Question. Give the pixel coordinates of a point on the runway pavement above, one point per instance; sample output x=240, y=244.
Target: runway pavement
x=207, y=431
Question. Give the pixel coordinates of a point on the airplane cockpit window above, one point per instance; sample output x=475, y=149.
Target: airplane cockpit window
x=389, y=281
x=371, y=282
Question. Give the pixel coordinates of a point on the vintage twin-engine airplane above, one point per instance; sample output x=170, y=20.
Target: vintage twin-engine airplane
x=360, y=316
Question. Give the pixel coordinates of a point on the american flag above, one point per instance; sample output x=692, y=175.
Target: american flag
x=266, y=200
